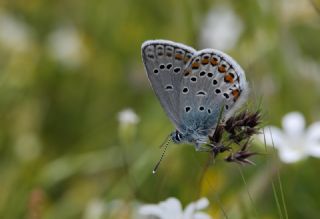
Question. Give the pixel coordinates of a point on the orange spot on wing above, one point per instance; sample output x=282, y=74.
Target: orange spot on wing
x=228, y=79
x=195, y=65
x=236, y=94
x=178, y=56
x=214, y=61
x=222, y=68
x=205, y=61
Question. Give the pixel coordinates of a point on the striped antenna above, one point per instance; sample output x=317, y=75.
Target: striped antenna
x=164, y=151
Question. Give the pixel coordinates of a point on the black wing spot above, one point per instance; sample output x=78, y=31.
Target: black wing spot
x=169, y=66
x=210, y=74
x=227, y=107
x=202, y=73
x=156, y=71
x=188, y=108
x=218, y=91
x=201, y=93
x=161, y=66
x=185, y=90
x=201, y=108
x=177, y=69
x=150, y=56
x=226, y=95
x=169, y=87
x=193, y=79
x=214, y=82
x=209, y=111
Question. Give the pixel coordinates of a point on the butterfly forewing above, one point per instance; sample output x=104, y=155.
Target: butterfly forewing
x=212, y=83
x=165, y=63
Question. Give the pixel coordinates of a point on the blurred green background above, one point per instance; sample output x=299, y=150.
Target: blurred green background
x=67, y=68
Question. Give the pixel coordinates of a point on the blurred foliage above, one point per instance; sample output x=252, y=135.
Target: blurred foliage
x=61, y=148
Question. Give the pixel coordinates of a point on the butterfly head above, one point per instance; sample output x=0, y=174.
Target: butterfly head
x=193, y=137
x=177, y=137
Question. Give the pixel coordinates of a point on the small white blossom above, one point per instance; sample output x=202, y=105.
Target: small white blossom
x=294, y=142
x=94, y=209
x=171, y=209
x=66, y=46
x=127, y=117
x=222, y=29
x=15, y=35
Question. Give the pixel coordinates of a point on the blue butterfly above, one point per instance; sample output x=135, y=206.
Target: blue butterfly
x=197, y=89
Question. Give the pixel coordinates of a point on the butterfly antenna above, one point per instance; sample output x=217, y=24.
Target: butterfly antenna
x=166, y=141
x=164, y=151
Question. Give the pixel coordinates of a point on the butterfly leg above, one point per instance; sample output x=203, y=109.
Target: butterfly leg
x=214, y=149
x=203, y=147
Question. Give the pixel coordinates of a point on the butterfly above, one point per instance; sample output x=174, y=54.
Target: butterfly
x=197, y=89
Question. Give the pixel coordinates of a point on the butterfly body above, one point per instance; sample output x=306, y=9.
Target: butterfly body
x=195, y=88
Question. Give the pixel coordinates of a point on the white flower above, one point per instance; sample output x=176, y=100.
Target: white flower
x=222, y=29
x=15, y=35
x=66, y=46
x=94, y=209
x=294, y=143
x=171, y=209
x=127, y=117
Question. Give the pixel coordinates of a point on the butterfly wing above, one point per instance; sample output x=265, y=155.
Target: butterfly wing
x=212, y=83
x=165, y=62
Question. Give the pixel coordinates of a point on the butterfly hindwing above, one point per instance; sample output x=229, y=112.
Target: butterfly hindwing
x=212, y=83
x=165, y=62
